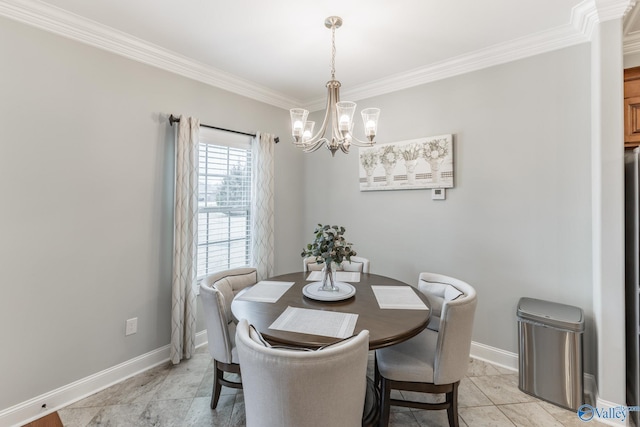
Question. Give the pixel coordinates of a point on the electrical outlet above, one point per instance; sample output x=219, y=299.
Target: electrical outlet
x=131, y=326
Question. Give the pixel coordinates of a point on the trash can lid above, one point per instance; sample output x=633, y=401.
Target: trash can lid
x=553, y=314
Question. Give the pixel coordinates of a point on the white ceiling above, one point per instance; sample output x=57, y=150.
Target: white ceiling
x=279, y=51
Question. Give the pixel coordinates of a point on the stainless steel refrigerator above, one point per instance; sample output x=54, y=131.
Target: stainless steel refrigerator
x=632, y=278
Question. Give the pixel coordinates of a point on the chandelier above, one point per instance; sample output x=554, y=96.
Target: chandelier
x=339, y=113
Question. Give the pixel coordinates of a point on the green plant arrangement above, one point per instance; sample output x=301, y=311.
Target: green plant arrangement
x=329, y=245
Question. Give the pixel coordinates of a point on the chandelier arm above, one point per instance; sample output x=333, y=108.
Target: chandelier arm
x=301, y=144
x=316, y=146
x=355, y=141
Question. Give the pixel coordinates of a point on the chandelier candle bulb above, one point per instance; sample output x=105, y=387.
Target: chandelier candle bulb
x=370, y=118
x=370, y=128
x=298, y=118
x=344, y=122
x=308, y=131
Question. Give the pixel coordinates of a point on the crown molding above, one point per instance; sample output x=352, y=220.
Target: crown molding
x=613, y=9
x=557, y=38
x=631, y=44
x=63, y=23
x=584, y=16
x=631, y=40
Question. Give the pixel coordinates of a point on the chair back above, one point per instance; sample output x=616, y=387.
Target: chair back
x=292, y=388
x=357, y=263
x=230, y=282
x=453, y=305
x=310, y=264
x=221, y=339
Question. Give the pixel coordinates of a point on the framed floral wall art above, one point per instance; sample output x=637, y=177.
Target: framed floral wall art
x=406, y=165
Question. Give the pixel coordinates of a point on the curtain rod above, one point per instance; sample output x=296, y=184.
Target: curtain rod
x=173, y=119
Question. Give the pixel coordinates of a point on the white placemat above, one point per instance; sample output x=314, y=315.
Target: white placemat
x=266, y=291
x=316, y=322
x=398, y=297
x=341, y=276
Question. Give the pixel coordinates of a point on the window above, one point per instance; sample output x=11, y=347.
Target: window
x=224, y=201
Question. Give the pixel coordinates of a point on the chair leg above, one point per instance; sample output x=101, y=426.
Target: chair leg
x=376, y=372
x=217, y=386
x=452, y=410
x=385, y=402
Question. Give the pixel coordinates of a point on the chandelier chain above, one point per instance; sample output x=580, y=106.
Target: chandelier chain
x=333, y=52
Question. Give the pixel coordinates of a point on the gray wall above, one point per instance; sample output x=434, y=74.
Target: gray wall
x=86, y=220
x=517, y=223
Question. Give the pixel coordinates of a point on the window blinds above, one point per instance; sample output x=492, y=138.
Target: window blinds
x=224, y=202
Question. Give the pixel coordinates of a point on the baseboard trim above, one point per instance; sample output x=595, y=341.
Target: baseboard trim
x=495, y=356
x=613, y=408
x=33, y=409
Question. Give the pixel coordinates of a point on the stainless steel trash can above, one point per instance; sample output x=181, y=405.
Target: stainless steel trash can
x=550, y=351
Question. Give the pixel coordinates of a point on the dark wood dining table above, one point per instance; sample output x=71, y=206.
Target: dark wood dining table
x=386, y=326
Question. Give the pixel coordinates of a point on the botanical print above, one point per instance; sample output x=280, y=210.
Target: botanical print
x=406, y=165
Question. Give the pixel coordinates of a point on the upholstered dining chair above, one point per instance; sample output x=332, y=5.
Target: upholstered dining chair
x=230, y=282
x=357, y=263
x=216, y=292
x=310, y=264
x=293, y=387
x=435, y=360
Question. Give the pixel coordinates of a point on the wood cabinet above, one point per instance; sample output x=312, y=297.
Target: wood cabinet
x=632, y=107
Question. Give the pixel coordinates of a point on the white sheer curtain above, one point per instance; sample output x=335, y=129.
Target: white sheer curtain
x=183, y=300
x=262, y=148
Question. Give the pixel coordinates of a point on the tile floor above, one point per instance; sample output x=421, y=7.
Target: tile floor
x=179, y=396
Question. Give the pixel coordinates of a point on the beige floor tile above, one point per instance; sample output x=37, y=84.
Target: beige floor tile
x=479, y=368
x=501, y=389
x=470, y=394
x=421, y=397
x=238, y=418
x=200, y=414
x=179, y=387
x=566, y=417
x=484, y=416
x=402, y=419
x=119, y=415
x=78, y=417
x=197, y=365
x=100, y=399
x=434, y=418
x=165, y=413
x=529, y=415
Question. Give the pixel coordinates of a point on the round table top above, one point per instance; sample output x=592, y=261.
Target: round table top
x=386, y=326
